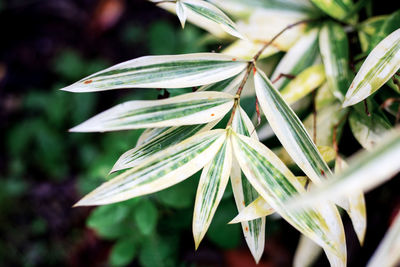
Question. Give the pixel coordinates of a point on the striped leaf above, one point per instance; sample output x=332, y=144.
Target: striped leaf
x=259, y=208
x=275, y=183
x=334, y=47
x=213, y=14
x=229, y=86
x=149, y=134
x=324, y=97
x=172, y=136
x=299, y=57
x=377, y=69
x=213, y=181
x=368, y=29
x=387, y=253
x=246, y=49
x=366, y=171
x=244, y=193
x=176, y=71
x=187, y=109
x=289, y=129
x=181, y=12
x=307, y=81
x=307, y=252
x=159, y=171
x=338, y=9
x=368, y=130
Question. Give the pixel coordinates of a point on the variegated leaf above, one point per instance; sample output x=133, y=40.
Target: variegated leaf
x=289, y=129
x=187, y=109
x=368, y=130
x=181, y=12
x=387, y=253
x=176, y=71
x=367, y=170
x=259, y=207
x=368, y=29
x=275, y=183
x=307, y=81
x=244, y=193
x=159, y=171
x=149, y=134
x=213, y=14
x=213, y=181
x=307, y=252
x=172, y=136
x=299, y=57
x=246, y=49
x=357, y=210
x=377, y=69
x=389, y=25
x=334, y=47
x=324, y=97
x=338, y=9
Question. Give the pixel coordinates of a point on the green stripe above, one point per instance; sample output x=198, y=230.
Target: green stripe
x=298, y=132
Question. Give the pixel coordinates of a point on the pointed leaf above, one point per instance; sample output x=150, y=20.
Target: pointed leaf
x=289, y=129
x=307, y=252
x=229, y=86
x=334, y=47
x=213, y=181
x=366, y=171
x=176, y=71
x=356, y=209
x=172, y=136
x=159, y=171
x=387, y=253
x=307, y=81
x=275, y=183
x=299, y=57
x=377, y=69
x=389, y=25
x=213, y=14
x=181, y=13
x=244, y=193
x=187, y=109
x=149, y=134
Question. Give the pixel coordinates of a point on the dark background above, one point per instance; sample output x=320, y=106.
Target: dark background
x=44, y=170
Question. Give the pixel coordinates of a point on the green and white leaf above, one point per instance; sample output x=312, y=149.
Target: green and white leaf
x=368, y=130
x=299, y=57
x=357, y=210
x=387, y=253
x=324, y=97
x=159, y=171
x=289, y=129
x=389, y=25
x=149, y=134
x=275, y=183
x=334, y=47
x=172, y=136
x=259, y=208
x=181, y=12
x=307, y=81
x=174, y=71
x=213, y=14
x=337, y=9
x=244, y=193
x=213, y=181
x=368, y=29
x=307, y=252
x=366, y=171
x=187, y=109
x=377, y=69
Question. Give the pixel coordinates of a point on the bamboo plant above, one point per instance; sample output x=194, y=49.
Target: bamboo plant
x=210, y=130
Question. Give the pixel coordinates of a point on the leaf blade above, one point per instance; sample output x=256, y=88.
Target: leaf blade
x=159, y=171
x=187, y=109
x=173, y=71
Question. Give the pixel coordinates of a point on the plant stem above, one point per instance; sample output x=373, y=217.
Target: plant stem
x=251, y=65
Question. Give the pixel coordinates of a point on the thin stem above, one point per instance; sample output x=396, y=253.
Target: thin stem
x=252, y=63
